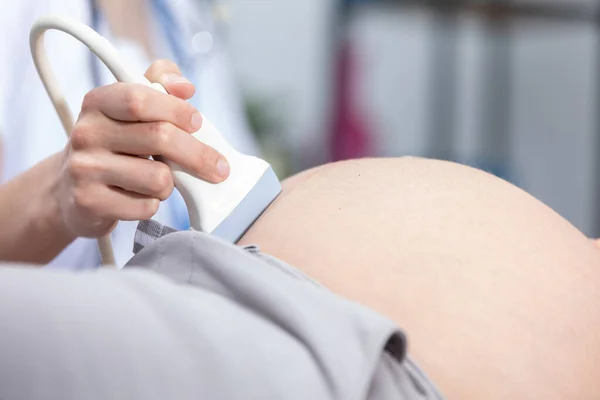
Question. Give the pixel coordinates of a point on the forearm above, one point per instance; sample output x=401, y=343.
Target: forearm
x=33, y=229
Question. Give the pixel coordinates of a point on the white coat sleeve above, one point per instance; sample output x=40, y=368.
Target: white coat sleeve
x=16, y=18
x=29, y=127
x=8, y=18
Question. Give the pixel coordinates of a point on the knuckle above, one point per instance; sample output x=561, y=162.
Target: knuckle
x=90, y=100
x=200, y=163
x=83, y=198
x=161, y=135
x=183, y=113
x=80, y=166
x=163, y=182
x=149, y=207
x=81, y=135
x=134, y=101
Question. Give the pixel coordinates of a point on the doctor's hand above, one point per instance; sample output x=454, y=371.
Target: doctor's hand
x=106, y=175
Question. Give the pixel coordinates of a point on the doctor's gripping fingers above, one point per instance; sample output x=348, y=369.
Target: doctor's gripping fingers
x=137, y=120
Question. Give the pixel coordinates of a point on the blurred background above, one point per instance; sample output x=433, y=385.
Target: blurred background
x=508, y=86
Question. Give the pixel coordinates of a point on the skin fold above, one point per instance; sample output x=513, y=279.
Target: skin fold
x=498, y=294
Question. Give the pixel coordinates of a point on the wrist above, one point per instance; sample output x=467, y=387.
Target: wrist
x=44, y=211
x=30, y=210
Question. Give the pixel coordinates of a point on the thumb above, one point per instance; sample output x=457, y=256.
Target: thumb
x=167, y=74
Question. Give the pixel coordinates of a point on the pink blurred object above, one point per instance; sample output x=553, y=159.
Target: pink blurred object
x=350, y=137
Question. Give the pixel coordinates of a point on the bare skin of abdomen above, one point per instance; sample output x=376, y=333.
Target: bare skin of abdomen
x=498, y=295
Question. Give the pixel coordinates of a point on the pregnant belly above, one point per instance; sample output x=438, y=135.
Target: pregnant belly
x=498, y=294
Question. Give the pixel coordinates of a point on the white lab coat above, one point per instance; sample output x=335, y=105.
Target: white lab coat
x=30, y=128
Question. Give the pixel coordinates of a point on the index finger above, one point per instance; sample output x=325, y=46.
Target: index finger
x=193, y=155
x=134, y=102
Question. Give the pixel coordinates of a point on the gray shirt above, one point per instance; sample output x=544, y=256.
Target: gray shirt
x=194, y=317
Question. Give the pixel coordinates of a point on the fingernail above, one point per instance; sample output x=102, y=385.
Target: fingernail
x=223, y=168
x=176, y=78
x=196, y=121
